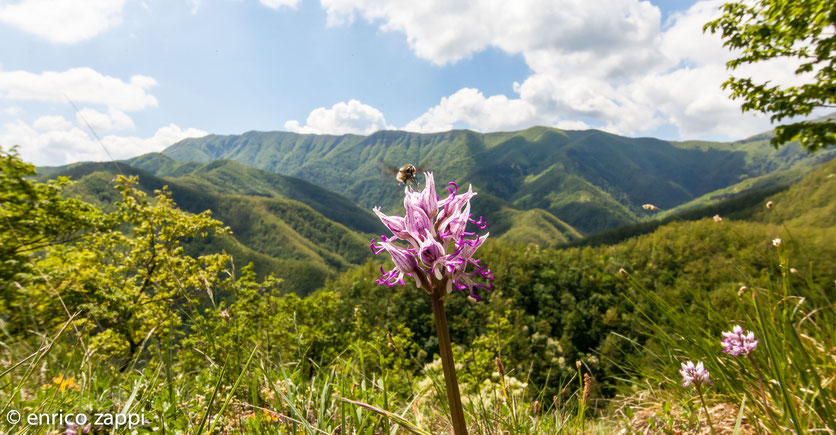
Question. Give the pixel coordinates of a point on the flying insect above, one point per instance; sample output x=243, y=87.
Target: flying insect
x=405, y=174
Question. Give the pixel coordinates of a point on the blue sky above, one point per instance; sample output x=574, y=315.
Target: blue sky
x=148, y=73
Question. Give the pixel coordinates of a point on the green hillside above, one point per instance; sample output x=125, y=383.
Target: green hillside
x=591, y=180
x=279, y=235
x=231, y=177
x=806, y=196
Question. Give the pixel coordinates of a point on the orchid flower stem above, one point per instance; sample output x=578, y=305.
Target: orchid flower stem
x=763, y=392
x=447, y=364
x=707, y=414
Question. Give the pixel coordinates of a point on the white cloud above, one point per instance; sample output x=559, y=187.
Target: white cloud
x=63, y=21
x=129, y=146
x=445, y=31
x=685, y=40
x=81, y=85
x=572, y=125
x=609, y=62
x=352, y=117
x=276, y=4
x=469, y=106
x=691, y=99
x=51, y=123
x=113, y=120
x=54, y=141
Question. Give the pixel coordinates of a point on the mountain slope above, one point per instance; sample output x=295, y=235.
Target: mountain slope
x=591, y=180
x=231, y=177
x=801, y=197
x=278, y=235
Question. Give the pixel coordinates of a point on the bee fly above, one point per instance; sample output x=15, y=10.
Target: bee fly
x=405, y=174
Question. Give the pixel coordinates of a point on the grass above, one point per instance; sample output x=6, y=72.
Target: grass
x=263, y=397
x=793, y=318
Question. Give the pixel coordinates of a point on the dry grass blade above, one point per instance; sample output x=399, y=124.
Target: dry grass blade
x=390, y=415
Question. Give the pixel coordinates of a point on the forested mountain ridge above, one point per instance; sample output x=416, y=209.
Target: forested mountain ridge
x=279, y=235
x=232, y=177
x=591, y=180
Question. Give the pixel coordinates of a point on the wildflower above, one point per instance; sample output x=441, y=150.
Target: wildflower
x=793, y=270
x=769, y=204
x=430, y=243
x=74, y=429
x=694, y=374
x=650, y=207
x=64, y=383
x=270, y=415
x=697, y=375
x=736, y=342
x=717, y=218
x=622, y=272
x=776, y=242
x=224, y=314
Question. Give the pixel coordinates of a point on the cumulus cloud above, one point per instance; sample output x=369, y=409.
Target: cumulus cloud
x=276, y=4
x=81, y=85
x=63, y=21
x=342, y=118
x=572, y=125
x=128, y=146
x=113, y=120
x=52, y=140
x=611, y=63
x=443, y=31
x=471, y=107
x=51, y=123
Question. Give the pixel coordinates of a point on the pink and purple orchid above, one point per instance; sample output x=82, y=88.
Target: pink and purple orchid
x=694, y=374
x=736, y=342
x=436, y=249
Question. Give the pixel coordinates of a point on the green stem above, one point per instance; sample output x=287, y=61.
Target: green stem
x=446, y=351
x=707, y=414
x=581, y=403
x=776, y=369
x=763, y=392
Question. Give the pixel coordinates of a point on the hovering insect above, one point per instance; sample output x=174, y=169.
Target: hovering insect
x=405, y=174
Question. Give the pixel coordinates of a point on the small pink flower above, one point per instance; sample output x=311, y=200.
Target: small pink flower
x=694, y=374
x=736, y=342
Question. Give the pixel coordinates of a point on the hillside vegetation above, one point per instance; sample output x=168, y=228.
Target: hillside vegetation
x=590, y=180
x=269, y=228
x=198, y=345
